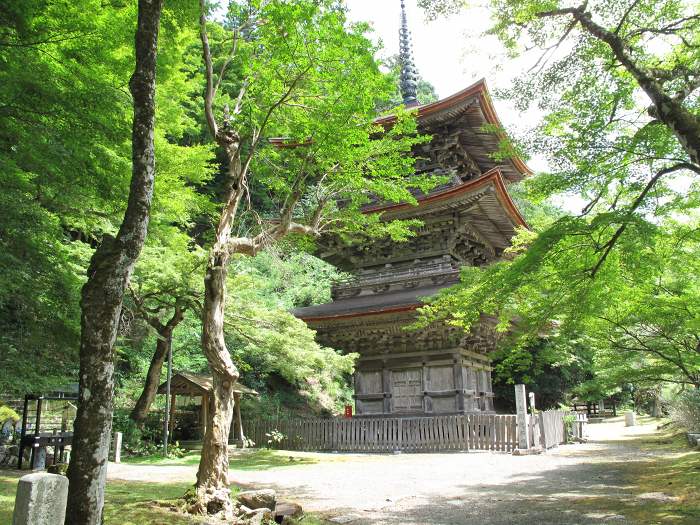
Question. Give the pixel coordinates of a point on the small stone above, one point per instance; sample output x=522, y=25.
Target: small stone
x=260, y=517
x=258, y=499
x=287, y=508
x=255, y=512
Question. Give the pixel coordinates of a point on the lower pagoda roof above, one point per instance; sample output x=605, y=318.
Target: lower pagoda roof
x=459, y=195
x=376, y=304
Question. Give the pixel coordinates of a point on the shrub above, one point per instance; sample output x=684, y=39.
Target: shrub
x=685, y=410
x=274, y=438
x=6, y=413
x=569, y=421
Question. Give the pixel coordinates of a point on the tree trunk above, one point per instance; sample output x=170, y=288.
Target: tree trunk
x=213, y=495
x=101, y=297
x=150, y=388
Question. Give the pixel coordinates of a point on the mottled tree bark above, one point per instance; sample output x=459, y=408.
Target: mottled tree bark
x=212, y=476
x=212, y=492
x=101, y=299
x=163, y=345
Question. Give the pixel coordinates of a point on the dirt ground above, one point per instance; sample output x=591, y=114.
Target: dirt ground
x=556, y=488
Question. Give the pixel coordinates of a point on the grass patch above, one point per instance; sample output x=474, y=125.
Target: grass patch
x=8, y=488
x=248, y=459
x=138, y=503
x=126, y=503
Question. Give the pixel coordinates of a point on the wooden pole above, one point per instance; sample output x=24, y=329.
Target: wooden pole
x=239, y=422
x=168, y=407
x=204, y=412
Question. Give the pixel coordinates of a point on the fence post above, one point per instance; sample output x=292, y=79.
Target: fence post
x=521, y=417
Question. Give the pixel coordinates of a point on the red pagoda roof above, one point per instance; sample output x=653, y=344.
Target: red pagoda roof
x=475, y=103
x=493, y=177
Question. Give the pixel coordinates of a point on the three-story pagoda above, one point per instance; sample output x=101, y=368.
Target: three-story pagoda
x=468, y=221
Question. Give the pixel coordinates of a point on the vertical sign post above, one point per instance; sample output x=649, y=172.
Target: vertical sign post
x=521, y=417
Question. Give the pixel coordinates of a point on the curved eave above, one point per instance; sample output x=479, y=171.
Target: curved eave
x=479, y=90
x=492, y=177
x=367, y=313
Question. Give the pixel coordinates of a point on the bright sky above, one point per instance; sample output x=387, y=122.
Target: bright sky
x=450, y=53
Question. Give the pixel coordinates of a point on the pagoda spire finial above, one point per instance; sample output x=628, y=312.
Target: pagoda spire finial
x=409, y=73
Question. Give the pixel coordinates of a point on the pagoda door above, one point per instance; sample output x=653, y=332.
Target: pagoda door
x=407, y=390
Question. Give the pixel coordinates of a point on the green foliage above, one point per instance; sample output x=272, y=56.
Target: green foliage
x=639, y=315
x=266, y=339
x=7, y=414
x=436, y=8
x=274, y=438
x=619, y=278
x=550, y=367
x=65, y=163
x=316, y=89
x=276, y=353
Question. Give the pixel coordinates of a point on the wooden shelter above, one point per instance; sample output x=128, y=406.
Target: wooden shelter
x=199, y=385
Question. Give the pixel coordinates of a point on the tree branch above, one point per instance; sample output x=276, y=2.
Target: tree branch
x=608, y=246
x=208, y=71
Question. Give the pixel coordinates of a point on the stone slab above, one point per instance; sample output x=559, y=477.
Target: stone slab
x=41, y=499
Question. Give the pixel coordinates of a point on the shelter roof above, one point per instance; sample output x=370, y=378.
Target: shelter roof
x=191, y=384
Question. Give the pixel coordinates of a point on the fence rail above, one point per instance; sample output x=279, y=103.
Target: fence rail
x=409, y=434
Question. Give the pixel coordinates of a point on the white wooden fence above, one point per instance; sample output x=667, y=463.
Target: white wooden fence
x=408, y=434
x=547, y=429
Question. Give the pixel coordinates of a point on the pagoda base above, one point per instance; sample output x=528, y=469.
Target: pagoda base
x=423, y=384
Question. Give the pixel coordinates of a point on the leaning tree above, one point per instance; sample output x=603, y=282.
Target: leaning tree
x=618, y=84
x=290, y=98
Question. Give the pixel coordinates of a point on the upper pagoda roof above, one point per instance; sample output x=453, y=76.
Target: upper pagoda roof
x=471, y=109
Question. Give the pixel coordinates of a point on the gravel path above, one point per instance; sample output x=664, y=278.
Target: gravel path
x=450, y=488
